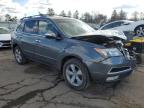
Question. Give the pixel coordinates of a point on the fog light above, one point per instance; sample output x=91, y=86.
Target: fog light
x=112, y=78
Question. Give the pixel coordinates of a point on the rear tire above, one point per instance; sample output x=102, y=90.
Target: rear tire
x=19, y=57
x=76, y=74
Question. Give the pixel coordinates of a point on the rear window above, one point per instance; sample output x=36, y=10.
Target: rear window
x=31, y=26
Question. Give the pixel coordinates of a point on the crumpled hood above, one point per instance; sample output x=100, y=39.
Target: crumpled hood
x=5, y=37
x=111, y=33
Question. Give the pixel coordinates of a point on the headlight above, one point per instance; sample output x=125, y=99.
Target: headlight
x=102, y=52
x=108, y=52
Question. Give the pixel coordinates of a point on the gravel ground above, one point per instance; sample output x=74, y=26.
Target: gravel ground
x=38, y=86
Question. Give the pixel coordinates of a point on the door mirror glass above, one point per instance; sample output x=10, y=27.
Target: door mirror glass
x=50, y=35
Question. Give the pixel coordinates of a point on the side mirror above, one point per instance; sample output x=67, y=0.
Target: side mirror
x=52, y=35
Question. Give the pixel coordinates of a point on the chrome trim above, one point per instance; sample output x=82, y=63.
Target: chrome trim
x=112, y=73
x=5, y=46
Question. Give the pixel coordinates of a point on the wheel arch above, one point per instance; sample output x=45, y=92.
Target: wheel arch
x=14, y=45
x=68, y=57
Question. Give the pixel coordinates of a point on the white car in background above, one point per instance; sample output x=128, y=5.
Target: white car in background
x=5, y=37
x=126, y=26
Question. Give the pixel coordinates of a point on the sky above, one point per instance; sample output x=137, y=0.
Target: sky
x=22, y=8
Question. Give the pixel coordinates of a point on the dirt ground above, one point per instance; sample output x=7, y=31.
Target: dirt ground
x=38, y=86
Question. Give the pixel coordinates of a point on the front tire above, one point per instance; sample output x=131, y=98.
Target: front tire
x=19, y=57
x=76, y=74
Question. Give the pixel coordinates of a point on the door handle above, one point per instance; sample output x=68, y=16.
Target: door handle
x=37, y=40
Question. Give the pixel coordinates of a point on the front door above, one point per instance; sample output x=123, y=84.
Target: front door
x=48, y=49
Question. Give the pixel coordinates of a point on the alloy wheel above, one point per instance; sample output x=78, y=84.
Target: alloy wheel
x=18, y=55
x=74, y=75
x=140, y=31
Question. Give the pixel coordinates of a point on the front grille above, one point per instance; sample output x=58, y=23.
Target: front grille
x=119, y=69
x=5, y=43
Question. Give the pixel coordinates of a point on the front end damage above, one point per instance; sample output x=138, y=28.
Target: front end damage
x=116, y=65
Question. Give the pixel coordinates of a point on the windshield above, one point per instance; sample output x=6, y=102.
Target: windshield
x=73, y=27
x=4, y=31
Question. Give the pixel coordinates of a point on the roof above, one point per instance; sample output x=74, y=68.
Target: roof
x=121, y=20
x=44, y=16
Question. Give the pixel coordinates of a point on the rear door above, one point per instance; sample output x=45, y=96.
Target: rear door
x=28, y=38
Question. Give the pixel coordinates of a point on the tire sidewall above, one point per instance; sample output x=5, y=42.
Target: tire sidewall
x=23, y=60
x=84, y=70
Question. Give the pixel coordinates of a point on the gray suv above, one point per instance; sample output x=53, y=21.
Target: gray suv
x=73, y=48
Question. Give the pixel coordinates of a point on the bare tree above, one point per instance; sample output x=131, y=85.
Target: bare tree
x=7, y=17
x=82, y=17
x=62, y=13
x=141, y=16
x=114, y=16
x=51, y=12
x=14, y=19
x=135, y=16
x=76, y=14
x=122, y=15
x=87, y=17
x=69, y=14
x=101, y=19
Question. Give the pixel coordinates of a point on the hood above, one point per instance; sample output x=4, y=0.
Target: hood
x=111, y=34
x=101, y=39
x=5, y=37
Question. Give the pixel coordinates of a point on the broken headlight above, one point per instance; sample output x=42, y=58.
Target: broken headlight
x=109, y=52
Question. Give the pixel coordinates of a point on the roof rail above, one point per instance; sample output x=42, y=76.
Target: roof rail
x=34, y=16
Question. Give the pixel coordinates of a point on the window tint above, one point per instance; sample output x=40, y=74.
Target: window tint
x=31, y=26
x=117, y=24
x=46, y=27
x=107, y=27
x=112, y=25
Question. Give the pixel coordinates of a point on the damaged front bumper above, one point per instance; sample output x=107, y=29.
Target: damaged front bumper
x=111, y=69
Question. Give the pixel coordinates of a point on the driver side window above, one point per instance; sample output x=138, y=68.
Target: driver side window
x=46, y=27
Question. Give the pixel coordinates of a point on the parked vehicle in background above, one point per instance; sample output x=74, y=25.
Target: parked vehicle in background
x=10, y=25
x=128, y=27
x=72, y=47
x=93, y=25
x=5, y=37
